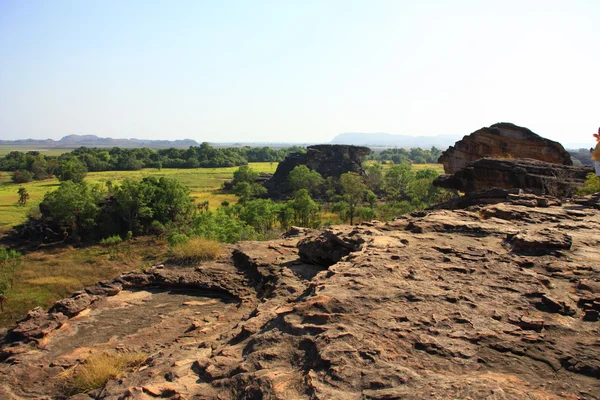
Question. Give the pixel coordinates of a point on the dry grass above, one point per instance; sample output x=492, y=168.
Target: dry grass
x=98, y=369
x=51, y=273
x=196, y=250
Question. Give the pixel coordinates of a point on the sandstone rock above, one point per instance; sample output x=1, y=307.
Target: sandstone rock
x=328, y=248
x=72, y=305
x=539, y=243
x=502, y=140
x=327, y=159
x=38, y=324
x=493, y=301
x=539, y=177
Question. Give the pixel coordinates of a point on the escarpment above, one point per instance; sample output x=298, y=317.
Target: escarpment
x=495, y=300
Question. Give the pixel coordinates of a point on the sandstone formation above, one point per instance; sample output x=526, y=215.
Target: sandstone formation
x=327, y=159
x=536, y=176
x=502, y=140
x=494, y=301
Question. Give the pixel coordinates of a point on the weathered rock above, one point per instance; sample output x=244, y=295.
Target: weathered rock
x=328, y=248
x=494, y=301
x=38, y=324
x=327, y=159
x=72, y=305
x=539, y=177
x=502, y=140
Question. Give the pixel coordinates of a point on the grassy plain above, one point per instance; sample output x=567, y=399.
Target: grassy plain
x=4, y=150
x=203, y=182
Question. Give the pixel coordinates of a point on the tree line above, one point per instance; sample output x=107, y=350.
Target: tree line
x=74, y=165
x=415, y=155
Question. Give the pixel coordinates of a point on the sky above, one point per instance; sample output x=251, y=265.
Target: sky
x=297, y=70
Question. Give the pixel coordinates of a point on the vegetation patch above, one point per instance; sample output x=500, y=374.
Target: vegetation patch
x=98, y=369
x=196, y=250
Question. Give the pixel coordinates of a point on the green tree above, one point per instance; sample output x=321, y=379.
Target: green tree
x=71, y=170
x=374, y=177
x=245, y=185
x=354, y=191
x=73, y=207
x=260, y=214
x=396, y=181
x=301, y=177
x=23, y=196
x=22, y=176
x=306, y=210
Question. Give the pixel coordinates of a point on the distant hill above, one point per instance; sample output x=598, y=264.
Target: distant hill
x=393, y=140
x=74, y=141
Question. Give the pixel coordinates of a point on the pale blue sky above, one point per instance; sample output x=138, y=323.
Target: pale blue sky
x=297, y=71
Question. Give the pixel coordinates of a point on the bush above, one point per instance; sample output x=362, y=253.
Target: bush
x=98, y=369
x=111, y=241
x=592, y=185
x=196, y=250
x=22, y=177
x=177, y=239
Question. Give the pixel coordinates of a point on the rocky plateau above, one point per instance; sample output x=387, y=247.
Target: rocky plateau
x=486, y=300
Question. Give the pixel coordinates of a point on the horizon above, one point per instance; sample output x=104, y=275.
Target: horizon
x=258, y=71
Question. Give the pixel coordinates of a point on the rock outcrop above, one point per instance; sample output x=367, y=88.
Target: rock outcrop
x=535, y=176
x=495, y=301
x=327, y=159
x=502, y=140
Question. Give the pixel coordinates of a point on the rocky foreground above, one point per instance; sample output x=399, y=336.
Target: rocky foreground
x=495, y=301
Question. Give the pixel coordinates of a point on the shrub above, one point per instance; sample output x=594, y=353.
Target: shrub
x=196, y=250
x=592, y=185
x=177, y=238
x=98, y=369
x=22, y=177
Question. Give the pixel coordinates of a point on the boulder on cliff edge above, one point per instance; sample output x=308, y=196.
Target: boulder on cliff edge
x=502, y=140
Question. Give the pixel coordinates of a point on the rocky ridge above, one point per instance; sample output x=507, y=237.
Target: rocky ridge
x=493, y=301
x=502, y=140
x=535, y=176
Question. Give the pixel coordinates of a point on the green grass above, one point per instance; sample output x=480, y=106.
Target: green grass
x=4, y=150
x=203, y=182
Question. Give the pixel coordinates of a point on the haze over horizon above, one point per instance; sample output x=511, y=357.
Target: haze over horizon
x=266, y=71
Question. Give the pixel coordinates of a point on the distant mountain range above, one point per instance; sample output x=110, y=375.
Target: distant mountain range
x=74, y=141
x=381, y=139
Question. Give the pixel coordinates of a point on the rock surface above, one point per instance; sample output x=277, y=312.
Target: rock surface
x=327, y=159
x=494, y=301
x=502, y=140
x=536, y=176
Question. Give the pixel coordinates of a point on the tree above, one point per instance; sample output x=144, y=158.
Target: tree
x=353, y=192
x=259, y=213
x=306, y=210
x=396, y=181
x=374, y=177
x=23, y=196
x=301, y=177
x=73, y=207
x=244, y=184
x=72, y=169
x=22, y=176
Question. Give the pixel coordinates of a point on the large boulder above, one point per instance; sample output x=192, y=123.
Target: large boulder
x=502, y=140
x=535, y=176
x=327, y=159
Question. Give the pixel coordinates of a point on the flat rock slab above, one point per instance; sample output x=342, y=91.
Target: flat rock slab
x=496, y=301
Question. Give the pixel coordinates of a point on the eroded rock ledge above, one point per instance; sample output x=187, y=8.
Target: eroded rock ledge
x=497, y=301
